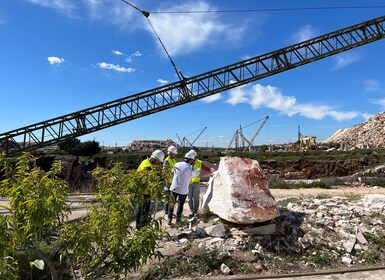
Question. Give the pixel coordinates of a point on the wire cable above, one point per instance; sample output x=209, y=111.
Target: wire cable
x=147, y=15
x=269, y=10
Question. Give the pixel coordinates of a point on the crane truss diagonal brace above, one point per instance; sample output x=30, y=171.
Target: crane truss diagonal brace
x=197, y=87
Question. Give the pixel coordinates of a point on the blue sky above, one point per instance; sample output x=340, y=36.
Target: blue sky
x=61, y=56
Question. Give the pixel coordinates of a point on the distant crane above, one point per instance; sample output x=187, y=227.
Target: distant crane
x=185, y=143
x=239, y=134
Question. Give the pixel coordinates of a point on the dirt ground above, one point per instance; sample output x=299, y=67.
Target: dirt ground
x=313, y=169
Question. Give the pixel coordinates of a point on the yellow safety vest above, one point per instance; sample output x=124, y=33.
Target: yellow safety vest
x=198, y=167
x=171, y=164
x=144, y=164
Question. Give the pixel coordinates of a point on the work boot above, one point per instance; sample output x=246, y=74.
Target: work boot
x=193, y=213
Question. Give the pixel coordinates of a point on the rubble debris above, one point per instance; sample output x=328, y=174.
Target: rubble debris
x=238, y=192
x=368, y=134
x=149, y=145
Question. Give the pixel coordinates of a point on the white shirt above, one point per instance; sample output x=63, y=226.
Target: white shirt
x=181, y=179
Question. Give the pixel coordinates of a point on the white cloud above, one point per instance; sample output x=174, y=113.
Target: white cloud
x=305, y=33
x=135, y=54
x=212, y=98
x=55, y=60
x=181, y=33
x=371, y=85
x=162, y=82
x=186, y=33
x=117, y=68
x=270, y=97
x=67, y=7
x=380, y=102
x=367, y=115
x=114, y=12
x=117, y=52
x=345, y=59
x=237, y=95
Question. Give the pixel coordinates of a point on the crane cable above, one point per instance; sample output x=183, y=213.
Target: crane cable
x=270, y=10
x=147, y=15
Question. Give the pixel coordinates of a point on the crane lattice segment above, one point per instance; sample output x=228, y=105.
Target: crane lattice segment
x=200, y=86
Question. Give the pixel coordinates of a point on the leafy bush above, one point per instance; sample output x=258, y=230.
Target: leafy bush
x=298, y=185
x=105, y=238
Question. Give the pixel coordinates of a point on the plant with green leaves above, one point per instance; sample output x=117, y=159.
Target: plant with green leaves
x=105, y=238
x=37, y=206
x=7, y=247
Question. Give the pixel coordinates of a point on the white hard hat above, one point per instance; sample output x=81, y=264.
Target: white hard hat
x=158, y=154
x=194, y=153
x=190, y=155
x=173, y=150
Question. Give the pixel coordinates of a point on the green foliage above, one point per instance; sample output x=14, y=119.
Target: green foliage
x=37, y=204
x=377, y=240
x=323, y=260
x=69, y=145
x=73, y=146
x=7, y=248
x=298, y=185
x=87, y=148
x=207, y=215
x=105, y=238
x=372, y=257
x=203, y=262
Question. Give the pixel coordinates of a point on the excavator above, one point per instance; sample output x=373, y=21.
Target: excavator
x=304, y=142
x=56, y=130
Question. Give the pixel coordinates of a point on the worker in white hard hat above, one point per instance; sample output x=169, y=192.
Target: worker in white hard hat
x=200, y=170
x=182, y=174
x=168, y=165
x=143, y=212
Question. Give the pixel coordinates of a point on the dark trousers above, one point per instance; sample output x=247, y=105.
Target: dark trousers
x=143, y=215
x=167, y=198
x=180, y=199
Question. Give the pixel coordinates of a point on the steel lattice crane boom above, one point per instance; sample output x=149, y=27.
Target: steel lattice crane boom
x=112, y=113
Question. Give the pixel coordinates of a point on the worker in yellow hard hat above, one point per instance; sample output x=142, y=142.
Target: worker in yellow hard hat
x=142, y=216
x=194, y=186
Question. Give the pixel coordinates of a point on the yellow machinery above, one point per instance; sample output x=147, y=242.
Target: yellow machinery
x=305, y=142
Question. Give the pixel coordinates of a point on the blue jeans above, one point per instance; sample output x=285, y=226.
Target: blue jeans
x=143, y=214
x=167, y=197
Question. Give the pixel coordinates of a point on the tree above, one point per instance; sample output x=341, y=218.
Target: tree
x=73, y=146
x=69, y=145
x=102, y=239
x=105, y=237
x=37, y=207
x=87, y=148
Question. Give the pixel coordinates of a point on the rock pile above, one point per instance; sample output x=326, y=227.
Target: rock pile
x=369, y=134
x=310, y=234
x=149, y=145
x=238, y=192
